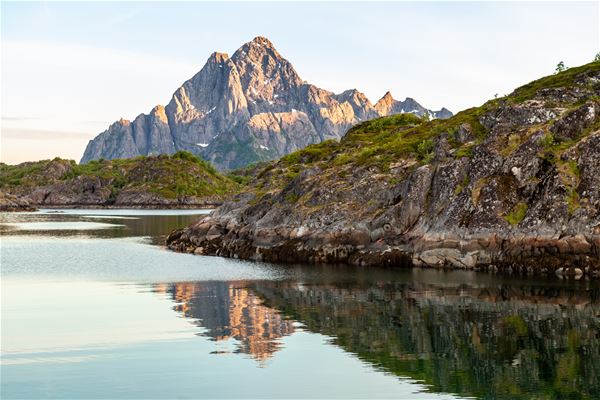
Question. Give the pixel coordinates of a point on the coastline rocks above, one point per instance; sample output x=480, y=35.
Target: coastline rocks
x=178, y=181
x=522, y=199
x=9, y=202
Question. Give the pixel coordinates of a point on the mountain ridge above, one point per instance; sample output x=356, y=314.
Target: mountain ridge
x=248, y=107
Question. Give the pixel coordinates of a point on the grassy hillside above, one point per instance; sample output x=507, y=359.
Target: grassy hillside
x=169, y=176
x=381, y=143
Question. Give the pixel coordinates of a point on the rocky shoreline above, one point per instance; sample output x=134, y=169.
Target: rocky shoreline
x=576, y=255
x=35, y=207
x=512, y=186
x=136, y=206
x=10, y=202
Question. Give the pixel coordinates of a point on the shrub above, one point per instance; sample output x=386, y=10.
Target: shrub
x=548, y=140
x=425, y=151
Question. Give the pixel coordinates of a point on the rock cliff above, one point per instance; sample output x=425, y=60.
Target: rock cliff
x=249, y=107
x=511, y=185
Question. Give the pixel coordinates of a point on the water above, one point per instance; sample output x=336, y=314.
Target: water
x=104, y=311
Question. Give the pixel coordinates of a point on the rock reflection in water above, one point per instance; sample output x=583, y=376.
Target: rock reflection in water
x=493, y=342
x=228, y=310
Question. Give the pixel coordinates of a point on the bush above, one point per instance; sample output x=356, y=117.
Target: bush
x=187, y=156
x=425, y=150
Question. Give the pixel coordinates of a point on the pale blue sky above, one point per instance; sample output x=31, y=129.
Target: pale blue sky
x=70, y=69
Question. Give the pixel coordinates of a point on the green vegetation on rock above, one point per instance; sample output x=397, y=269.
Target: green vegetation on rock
x=169, y=176
x=517, y=214
x=401, y=191
x=561, y=79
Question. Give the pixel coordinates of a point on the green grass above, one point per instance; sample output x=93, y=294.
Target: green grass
x=562, y=79
x=177, y=175
x=242, y=180
x=464, y=151
x=516, y=324
x=517, y=214
x=461, y=186
x=292, y=198
x=310, y=154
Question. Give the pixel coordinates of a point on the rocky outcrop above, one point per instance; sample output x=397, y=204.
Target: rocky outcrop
x=241, y=109
x=9, y=202
x=512, y=185
x=178, y=181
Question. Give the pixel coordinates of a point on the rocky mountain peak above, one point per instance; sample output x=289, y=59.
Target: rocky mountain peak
x=122, y=121
x=385, y=105
x=256, y=51
x=218, y=57
x=387, y=97
x=262, y=41
x=263, y=71
x=362, y=107
x=236, y=110
x=160, y=113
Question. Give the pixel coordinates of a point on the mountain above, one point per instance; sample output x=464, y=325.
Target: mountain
x=388, y=106
x=179, y=180
x=512, y=185
x=249, y=107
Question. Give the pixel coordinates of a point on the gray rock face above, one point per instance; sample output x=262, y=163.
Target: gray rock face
x=249, y=107
x=512, y=185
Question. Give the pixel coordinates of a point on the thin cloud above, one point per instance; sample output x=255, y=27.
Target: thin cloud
x=11, y=118
x=34, y=134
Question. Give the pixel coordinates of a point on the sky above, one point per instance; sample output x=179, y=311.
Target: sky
x=68, y=70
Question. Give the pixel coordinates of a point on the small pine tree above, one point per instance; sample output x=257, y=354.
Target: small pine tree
x=560, y=67
x=597, y=58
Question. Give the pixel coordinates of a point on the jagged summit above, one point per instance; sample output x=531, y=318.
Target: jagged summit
x=236, y=110
x=387, y=105
x=263, y=41
x=218, y=57
x=387, y=97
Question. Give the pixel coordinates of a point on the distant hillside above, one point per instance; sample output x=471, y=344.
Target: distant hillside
x=177, y=180
x=252, y=106
x=513, y=184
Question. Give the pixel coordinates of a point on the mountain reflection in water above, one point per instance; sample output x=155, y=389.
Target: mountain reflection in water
x=488, y=341
x=228, y=311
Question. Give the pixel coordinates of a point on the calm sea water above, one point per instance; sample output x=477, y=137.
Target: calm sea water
x=94, y=307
